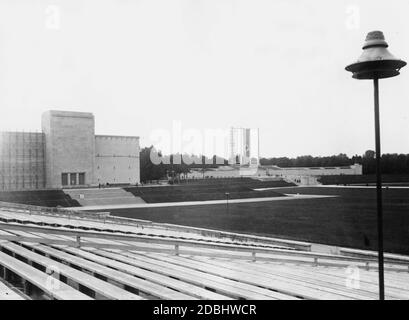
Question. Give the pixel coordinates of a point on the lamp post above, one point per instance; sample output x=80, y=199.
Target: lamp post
x=375, y=63
x=227, y=202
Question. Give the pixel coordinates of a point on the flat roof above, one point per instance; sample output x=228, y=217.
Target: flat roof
x=115, y=136
x=74, y=114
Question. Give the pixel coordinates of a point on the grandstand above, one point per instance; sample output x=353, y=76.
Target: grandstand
x=300, y=175
x=46, y=198
x=247, y=181
x=62, y=254
x=364, y=179
x=194, y=190
x=98, y=197
x=208, y=189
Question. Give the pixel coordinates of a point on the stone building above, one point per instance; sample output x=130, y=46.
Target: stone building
x=67, y=153
x=299, y=175
x=21, y=160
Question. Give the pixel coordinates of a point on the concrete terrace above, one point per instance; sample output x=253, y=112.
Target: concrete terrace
x=195, y=203
x=62, y=254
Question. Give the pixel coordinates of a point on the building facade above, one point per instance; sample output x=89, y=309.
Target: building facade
x=67, y=154
x=299, y=175
x=308, y=175
x=22, y=162
x=116, y=159
x=355, y=169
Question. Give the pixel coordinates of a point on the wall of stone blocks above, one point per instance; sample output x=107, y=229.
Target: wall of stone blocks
x=117, y=160
x=70, y=145
x=67, y=145
x=322, y=171
x=21, y=161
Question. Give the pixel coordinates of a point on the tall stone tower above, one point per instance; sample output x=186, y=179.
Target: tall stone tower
x=69, y=148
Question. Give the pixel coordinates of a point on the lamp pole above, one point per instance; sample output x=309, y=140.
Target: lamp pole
x=379, y=190
x=227, y=202
x=375, y=63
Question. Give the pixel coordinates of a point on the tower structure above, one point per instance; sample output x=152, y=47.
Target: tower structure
x=244, y=146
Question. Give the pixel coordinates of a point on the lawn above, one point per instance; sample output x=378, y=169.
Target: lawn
x=364, y=179
x=209, y=189
x=348, y=220
x=46, y=198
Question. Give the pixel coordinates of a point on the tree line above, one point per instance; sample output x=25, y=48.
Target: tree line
x=174, y=169
x=391, y=163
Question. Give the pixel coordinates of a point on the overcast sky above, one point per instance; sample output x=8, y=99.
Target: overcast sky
x=141, y=65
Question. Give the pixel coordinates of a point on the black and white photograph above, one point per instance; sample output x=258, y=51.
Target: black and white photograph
x=204, y=154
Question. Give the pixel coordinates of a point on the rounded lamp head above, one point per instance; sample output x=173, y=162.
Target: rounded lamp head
x=375, y=62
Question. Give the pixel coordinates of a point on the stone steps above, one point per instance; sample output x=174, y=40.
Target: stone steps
x=95, y=197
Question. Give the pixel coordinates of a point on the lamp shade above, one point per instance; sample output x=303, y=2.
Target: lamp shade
x=375, y=62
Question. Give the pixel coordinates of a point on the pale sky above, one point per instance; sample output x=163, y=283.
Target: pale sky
x=141, y=65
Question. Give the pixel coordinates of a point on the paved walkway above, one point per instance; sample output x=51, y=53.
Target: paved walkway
x=360, y=187
x=384, y=186
x=277, y=188
x=198, y=203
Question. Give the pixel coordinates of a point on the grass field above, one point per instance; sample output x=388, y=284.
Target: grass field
x=209, y=189
x=46, y=198
x=364, y=179
x=348, y=220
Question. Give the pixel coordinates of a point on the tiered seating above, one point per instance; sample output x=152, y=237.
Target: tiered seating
x=50, y=256
x=101, y=288
x=105, y=196
x=46, y=198
x=41, y=280
x=209, y=189
x=250, y=182
x=7, y=294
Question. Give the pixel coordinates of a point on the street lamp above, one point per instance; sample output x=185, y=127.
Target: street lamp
x=227, y=201
x=375, y=63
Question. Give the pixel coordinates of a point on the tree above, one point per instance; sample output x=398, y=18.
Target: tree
x=391, y=163
x=368, y=162
x=150, y=171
